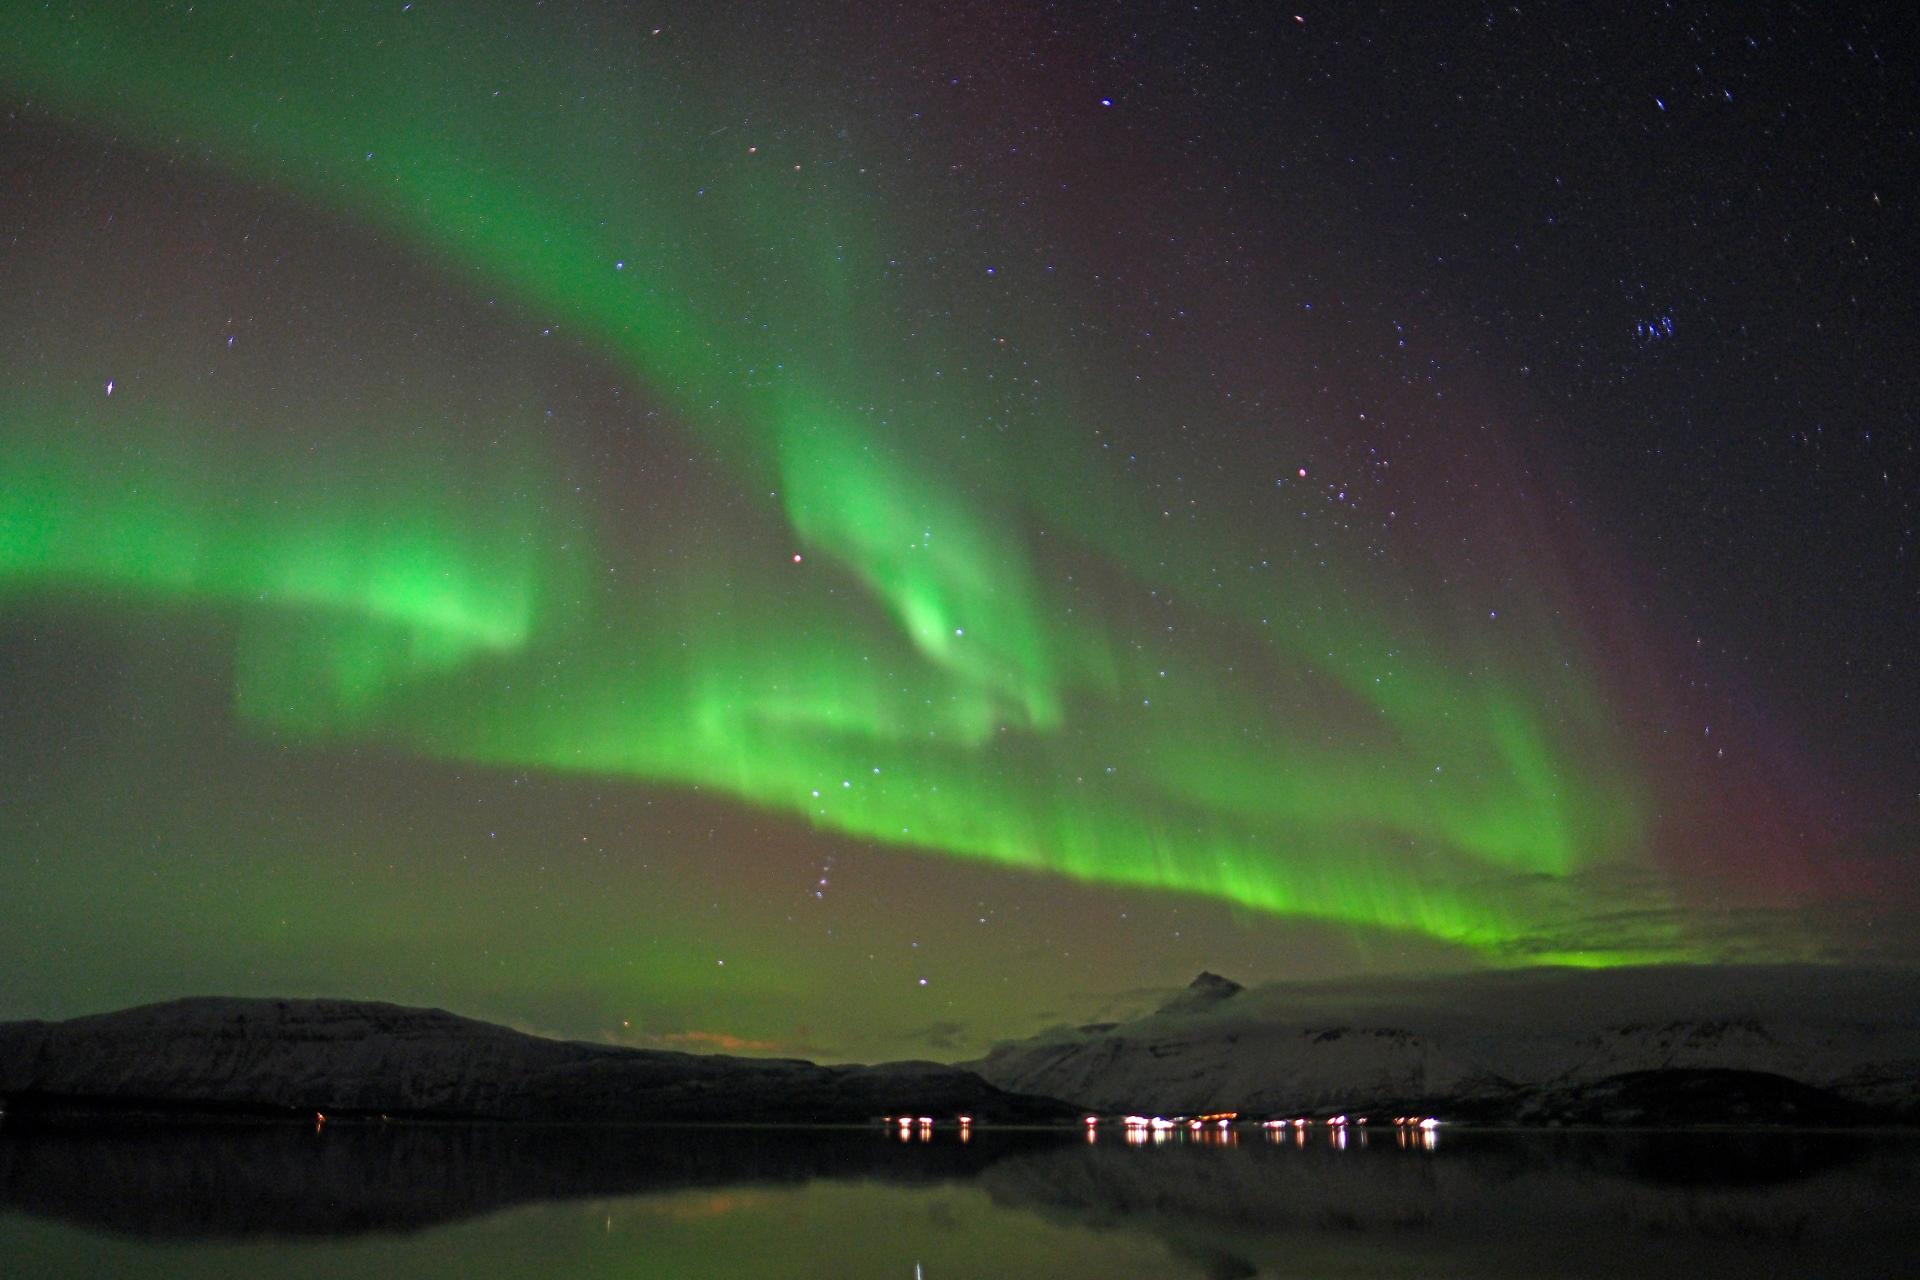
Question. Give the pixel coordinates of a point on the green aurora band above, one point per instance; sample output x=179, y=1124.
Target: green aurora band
x=962, y=663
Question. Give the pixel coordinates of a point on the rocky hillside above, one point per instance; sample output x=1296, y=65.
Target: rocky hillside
x=1639, y=1045
x=351, y=1058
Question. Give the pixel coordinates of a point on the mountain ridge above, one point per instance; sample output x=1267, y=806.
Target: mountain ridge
x=266, y=1056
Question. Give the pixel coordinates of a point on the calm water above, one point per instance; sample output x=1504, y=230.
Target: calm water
x=475, y=1202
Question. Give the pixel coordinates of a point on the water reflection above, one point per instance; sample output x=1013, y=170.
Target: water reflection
x=1213, y=1201
x=1211, y=1136
x=249, y=1180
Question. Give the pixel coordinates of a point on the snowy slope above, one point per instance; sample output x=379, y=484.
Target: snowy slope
x=1492, y=1039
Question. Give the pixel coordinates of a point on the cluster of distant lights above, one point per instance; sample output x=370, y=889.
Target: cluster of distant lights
x=1213, y=1126
x=910, y=1128
x=1228, y=1119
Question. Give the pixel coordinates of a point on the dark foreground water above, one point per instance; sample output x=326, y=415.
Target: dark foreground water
x=476, y=1202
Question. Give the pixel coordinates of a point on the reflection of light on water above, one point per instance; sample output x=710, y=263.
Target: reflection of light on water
x=1422, y=1132
x=645, y=1213
x=911, y=1128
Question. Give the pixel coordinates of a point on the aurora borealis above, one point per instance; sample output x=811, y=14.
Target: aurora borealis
x=832, y=539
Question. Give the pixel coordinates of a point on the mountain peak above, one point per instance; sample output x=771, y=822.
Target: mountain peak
x=1204, y=992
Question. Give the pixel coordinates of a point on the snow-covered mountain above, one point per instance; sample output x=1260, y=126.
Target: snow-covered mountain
x=352, y=1057
x=1754, y=1042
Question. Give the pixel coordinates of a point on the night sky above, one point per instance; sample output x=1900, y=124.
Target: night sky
x=858, y=530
